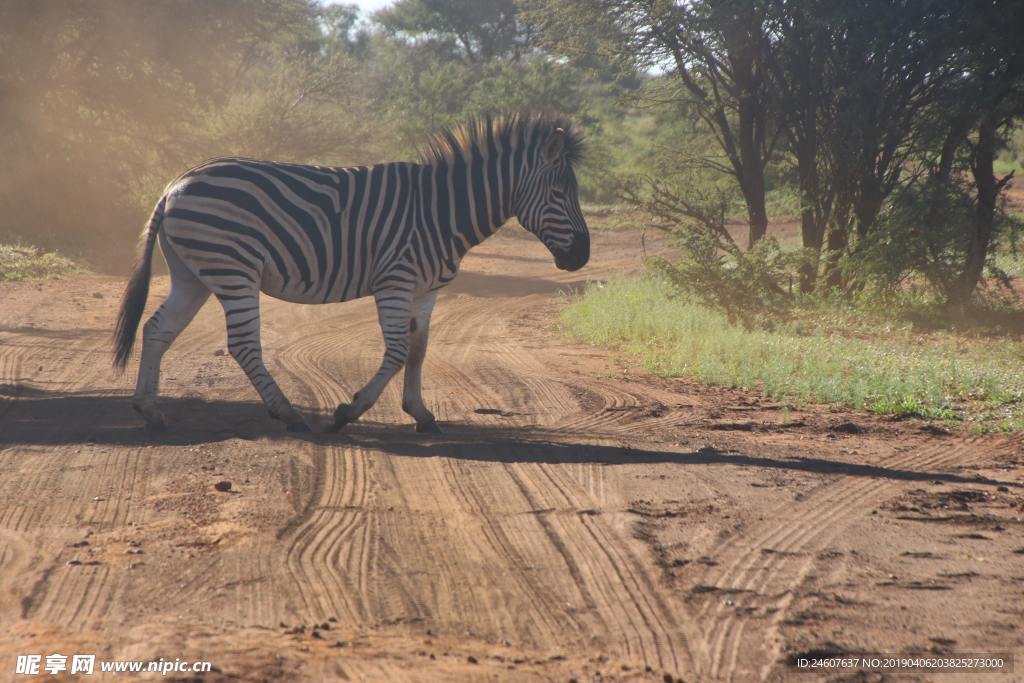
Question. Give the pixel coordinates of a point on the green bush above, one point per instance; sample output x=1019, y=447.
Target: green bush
x=21, y=262
x=752, y=288
x=922, y=239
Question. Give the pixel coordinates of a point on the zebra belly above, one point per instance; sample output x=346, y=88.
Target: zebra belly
x=274, y=285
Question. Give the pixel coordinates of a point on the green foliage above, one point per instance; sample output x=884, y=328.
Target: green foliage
x=922, y=239
x=105, y=102
x=890, y=369
x=693, y=200
x=536, y=85
x=294, y=108
x=783, y=200
x=1011, y=158
x=473, y=30
x=753, y=287
x=20, y=262
x=858, y=97
x=342, y=32
x=420, y=92
x=923, y=232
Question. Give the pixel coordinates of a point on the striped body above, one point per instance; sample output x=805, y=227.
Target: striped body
x=330, y=234
x=309, y=234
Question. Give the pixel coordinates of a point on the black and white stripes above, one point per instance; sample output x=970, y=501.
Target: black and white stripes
x=311, y=234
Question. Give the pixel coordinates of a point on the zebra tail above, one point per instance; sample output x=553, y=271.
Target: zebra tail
x=133, y=301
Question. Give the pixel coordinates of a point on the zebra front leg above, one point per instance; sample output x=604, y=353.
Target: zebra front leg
x=243, y=321
x=394, y=309
x=412, y=391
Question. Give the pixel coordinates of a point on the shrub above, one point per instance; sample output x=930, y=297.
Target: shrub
x=922, y=238
x=753, y=287
x=21, y=262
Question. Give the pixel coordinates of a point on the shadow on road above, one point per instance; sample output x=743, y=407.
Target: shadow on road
x=39, y=418
x=495, y=285
x=505, y=445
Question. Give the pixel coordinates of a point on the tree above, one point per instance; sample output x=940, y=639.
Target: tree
x=342, y=31
x=476, y=31
x=437, y=62
x=103, y=101
x=868, y=98
x=953, y=204
x=802, y=71
x=990, y=98
x=717, y=52
x=863, y=87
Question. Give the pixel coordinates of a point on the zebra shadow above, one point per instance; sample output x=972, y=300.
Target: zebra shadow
x=35, y=417
x=549, y=446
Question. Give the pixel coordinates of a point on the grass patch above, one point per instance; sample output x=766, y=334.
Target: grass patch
x=892, y=369
x=20, y=262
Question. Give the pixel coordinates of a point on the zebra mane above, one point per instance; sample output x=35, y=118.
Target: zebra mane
x=508, y=131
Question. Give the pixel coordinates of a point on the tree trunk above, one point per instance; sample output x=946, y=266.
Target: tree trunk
x=958, y=132
x=758, y=216
x=812, y=239
x=988, y=189
x=812, y=229
x=752, y=160
x=838, y=240
x=868, y=206
x=753, y=190
x=868, y=198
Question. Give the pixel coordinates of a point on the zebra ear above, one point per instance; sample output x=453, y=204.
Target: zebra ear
x=554, y=145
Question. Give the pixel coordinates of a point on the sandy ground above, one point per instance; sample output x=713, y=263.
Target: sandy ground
x=577, y=520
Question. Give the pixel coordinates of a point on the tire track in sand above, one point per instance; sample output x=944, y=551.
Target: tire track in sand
x=616, y=584
x=844, y=500
x=59, y=594
x=793, y=535
x=513, y=551
x=101, y=487
x=11, y=378
x=328, y=546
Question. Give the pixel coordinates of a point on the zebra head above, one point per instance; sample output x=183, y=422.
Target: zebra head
x=548, y=202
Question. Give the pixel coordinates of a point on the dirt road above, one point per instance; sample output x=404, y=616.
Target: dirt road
x=576, y=520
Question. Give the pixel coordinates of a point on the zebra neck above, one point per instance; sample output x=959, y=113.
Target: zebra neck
x=469, y=201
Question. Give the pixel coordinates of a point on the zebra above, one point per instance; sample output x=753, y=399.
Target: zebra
x=235, y=227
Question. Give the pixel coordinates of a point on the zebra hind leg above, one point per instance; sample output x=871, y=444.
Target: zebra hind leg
x=412, y=390
x=394, y=312
x=187, y=296
x=242, y=312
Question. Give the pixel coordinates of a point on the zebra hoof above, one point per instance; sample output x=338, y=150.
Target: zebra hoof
x=299, y=427
x=342, y=416
x=428, y=427
x=154, y=418
x=155, y=422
